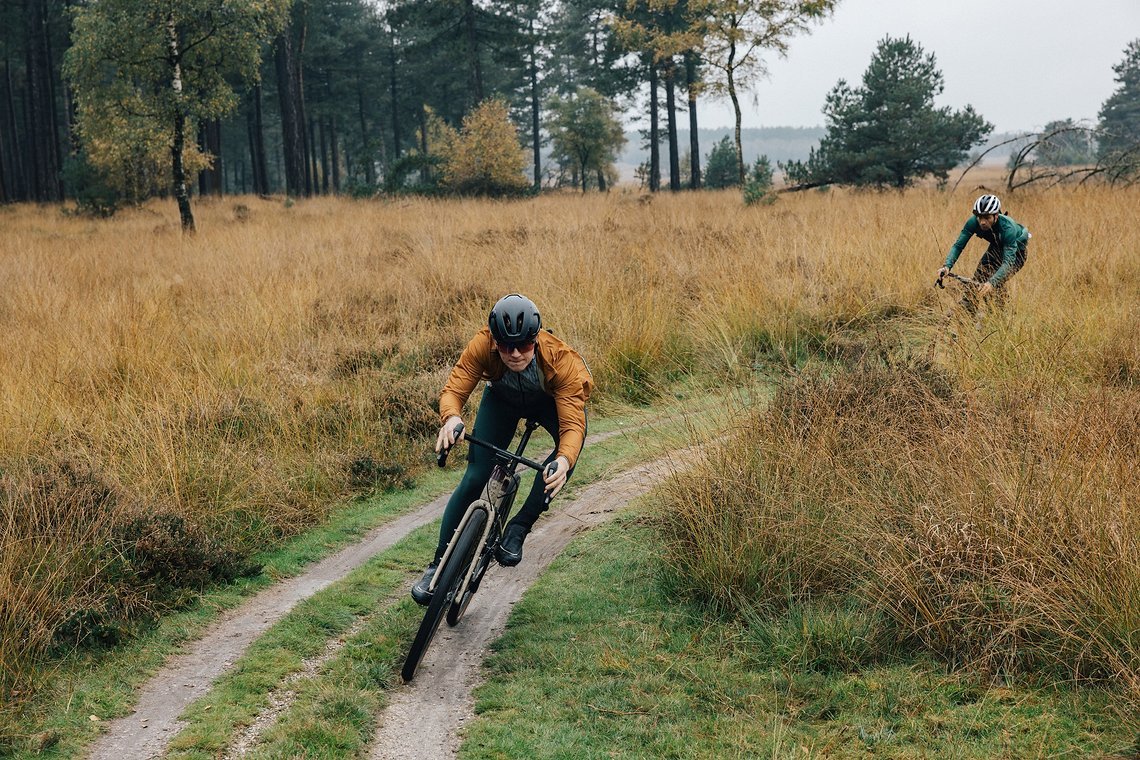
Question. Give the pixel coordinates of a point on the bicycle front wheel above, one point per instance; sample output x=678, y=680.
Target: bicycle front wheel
x=448, y=579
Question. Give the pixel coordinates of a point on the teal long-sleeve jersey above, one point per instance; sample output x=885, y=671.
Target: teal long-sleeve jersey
x=1006, y=236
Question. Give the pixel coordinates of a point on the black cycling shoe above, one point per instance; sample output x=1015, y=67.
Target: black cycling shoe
x=510, y=548
x=420, y=591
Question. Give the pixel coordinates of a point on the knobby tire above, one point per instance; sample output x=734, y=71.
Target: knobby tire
x=459, y=605
x=449, y=579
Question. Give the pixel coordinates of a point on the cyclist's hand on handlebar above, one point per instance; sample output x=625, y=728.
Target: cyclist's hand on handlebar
x=985, y=289
x=447, y=434
x=556, y=479
x=943, y=272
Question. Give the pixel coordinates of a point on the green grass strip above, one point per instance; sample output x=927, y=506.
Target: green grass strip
x=304, y=633
x=600, y=662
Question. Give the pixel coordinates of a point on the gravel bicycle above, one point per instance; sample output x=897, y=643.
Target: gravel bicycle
x=472, y=547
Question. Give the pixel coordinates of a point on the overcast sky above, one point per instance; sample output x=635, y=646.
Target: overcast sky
x=1019, y=63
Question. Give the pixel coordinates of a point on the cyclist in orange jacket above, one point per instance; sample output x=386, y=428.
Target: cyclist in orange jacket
x=530, y=374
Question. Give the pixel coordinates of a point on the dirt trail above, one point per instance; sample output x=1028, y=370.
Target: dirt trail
x=186, y=677
x=146, y=732
x=424, y=718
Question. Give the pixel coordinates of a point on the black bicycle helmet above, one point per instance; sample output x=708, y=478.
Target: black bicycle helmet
x=514, y=319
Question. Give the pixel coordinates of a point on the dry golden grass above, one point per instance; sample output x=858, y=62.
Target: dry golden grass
x=245, y=378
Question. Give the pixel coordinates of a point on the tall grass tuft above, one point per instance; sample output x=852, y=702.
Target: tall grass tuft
x=998, y=531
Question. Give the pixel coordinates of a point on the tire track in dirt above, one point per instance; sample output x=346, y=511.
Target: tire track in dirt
x=424, y=719
x=186, y=677
x=148, y=729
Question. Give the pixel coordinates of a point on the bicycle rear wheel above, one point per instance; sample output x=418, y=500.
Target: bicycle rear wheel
x=449, y=577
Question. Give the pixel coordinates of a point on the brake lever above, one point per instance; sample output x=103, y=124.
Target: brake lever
x=550, y=470
x=441, y=458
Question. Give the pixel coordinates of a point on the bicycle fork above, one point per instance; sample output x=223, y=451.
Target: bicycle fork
x=481, y=504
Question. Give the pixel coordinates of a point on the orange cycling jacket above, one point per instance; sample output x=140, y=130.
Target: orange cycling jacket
x=564, y=374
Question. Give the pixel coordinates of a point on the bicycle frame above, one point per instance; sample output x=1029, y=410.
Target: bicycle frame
x=497, y=499
x=964, y=280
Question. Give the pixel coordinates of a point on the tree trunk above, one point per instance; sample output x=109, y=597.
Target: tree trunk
x=324, y=156
x=654, y=132
x=4, y=197
x=307, y=149
x=534, y=111
x=17, y=184
x=214, y=144
x=739, y=145
x=181, y=192
x=51, y=107
x=395, y=111
x=292, y=131
x=311, y=164
x=473, y=50
x=41, y=112
x=369, y=177
x=6, y=190
x=210, y=142
x=52, y=80
x=203, y=180
x=257, y=162
x=335, y=155
x=736, y=110
x=694, y=138
x=178, y=170
x=33, y=133
x=425, y=173
x=671, y=121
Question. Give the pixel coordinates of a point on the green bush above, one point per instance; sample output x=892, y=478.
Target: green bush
x=152, y=562
x=414, y=164
x=93, y=194
x=720, y=166
x=758, y=187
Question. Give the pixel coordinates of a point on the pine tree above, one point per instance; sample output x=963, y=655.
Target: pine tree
x=1119, y=133
x=887, y=133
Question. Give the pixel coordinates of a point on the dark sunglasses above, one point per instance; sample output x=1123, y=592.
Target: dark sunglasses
x=522, y=348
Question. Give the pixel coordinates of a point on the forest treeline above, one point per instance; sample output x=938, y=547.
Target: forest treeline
x=343, y=89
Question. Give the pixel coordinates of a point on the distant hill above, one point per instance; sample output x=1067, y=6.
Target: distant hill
x=778, y=143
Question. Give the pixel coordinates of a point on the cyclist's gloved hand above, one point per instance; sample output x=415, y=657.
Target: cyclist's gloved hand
x=985, y=289
x=943, y=272
x=447, y=437
x=555, y=480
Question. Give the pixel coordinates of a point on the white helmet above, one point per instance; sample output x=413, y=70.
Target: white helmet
x=987, y=204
